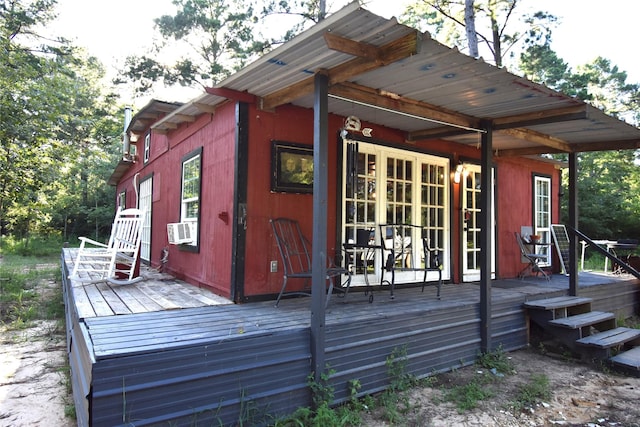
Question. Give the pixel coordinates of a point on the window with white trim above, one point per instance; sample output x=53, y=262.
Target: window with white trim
x=147, y=148
x=122, y=200
x=190, y=195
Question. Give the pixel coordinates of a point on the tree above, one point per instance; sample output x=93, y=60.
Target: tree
x=216, y=37
x=50, y=106
x=608, y=181
x=470, y=27
x=498, y=25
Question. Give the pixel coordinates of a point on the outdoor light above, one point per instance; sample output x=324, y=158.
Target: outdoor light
x=458, y=173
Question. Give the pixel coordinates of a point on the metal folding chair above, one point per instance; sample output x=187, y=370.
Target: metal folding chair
x=532, y=260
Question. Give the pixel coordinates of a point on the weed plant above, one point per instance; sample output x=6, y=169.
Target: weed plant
x=495, y=364
x=394, y=402
x=535, y=391
x=466, y=396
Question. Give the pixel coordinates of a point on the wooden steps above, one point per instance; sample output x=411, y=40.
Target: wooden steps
x=629, y=361
x=593, y=334
x=582, y=323
x=599, y=345
x=611, y=338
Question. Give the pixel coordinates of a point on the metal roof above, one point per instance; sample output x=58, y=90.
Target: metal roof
x=390, y=74
x=149, y=114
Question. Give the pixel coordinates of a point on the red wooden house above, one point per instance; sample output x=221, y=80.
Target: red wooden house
x=386, y=120
x=356, y=122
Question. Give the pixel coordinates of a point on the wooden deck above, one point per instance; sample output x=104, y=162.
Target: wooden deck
x=161, y=338
x=158, y=292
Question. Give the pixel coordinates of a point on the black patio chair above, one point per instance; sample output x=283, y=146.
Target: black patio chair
x=531, y=258
x=295, y=251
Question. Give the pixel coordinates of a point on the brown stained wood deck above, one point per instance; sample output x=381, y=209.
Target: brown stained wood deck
x=158, y=292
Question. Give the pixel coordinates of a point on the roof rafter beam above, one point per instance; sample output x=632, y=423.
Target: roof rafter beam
x=556, y=115
x=435, y=133
x=539, y=138
x=624, y=144
x=352, y=47
x=398, y=103
x=577, y=112
x=393, y=51
x=185, y=117
x=231, y=94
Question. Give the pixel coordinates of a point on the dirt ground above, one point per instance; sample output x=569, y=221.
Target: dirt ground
x=34, y=392
x=581, y=396
x=33, y=389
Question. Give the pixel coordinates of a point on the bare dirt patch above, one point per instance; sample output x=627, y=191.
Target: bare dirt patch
x=581, y=395
x=33, y=380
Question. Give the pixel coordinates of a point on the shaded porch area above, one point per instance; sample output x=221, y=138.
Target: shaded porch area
x=198, y=358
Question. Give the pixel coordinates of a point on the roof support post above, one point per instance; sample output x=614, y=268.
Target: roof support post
x=573, y=223
x=319, y=239
x=486, y=196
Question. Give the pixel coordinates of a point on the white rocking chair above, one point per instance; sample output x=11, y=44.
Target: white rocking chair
x=114, y=262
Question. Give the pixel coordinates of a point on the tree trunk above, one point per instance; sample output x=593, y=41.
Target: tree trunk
x=497, y=46
x=470, y=26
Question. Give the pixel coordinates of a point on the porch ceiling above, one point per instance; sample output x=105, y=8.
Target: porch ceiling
x=392, y=75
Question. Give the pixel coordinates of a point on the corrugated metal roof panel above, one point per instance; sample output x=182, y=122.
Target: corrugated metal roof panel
x=436, y=75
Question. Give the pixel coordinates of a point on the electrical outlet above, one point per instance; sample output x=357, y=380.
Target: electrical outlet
x=274, y=266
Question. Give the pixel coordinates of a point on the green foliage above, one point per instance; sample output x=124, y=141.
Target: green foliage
x=535, y=391
x=22, y=299
x=54, y=113
x=495, y=364
x=321, y=390
x=36, y=248
x=395, y=400
x=216, y=36
x=467, y=396
x=608, y=181
x=496, y=361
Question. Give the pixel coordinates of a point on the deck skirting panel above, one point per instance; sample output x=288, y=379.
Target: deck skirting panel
x=206, y=383
x=78, y=353
x=622, y=299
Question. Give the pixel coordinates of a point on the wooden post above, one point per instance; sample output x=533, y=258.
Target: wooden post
x=319, y=240
x=573, y=224
x=486, y=214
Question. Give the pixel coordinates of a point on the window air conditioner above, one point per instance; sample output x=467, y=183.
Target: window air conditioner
x=179, y=233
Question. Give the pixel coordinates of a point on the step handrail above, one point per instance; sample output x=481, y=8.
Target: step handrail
x=605, y=252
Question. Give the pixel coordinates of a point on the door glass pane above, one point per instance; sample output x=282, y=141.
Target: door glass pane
x=399, y=191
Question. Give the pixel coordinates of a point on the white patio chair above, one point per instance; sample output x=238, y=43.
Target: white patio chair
x=115, y=261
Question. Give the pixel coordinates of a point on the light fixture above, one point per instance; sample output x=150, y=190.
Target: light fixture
x=460, y=171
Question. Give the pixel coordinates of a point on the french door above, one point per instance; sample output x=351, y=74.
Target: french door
x=387, y=185
x=470, y=244
x=145, y=202
x=542, y=214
